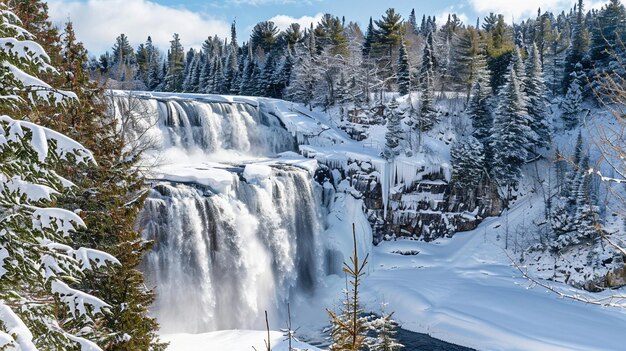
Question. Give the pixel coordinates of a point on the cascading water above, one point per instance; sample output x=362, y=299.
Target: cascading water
x=221, y=259
x=205, y=127
x=222, y=255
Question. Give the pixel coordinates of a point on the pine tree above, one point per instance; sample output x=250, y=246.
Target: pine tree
x=518, y=65
x=105, y=196
x=413, y=22
x=330, y=35
x=404, y=74
x=39, y=264
x=587, y=212
x=264, y=36
x=385, y=329
x=387, y=38
x=293, y=35
x=577, y=49
x=536, y=93
x=470, y=61
x=573, y=100
x=479, y=112
x=468, y=161
x=427, y=113
x=511, y=132
x=369, y=39
x=608, y=33
x=175, y=66
x=349, y=327
x=394, y=133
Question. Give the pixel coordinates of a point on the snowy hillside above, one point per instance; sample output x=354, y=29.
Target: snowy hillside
x=463, y=289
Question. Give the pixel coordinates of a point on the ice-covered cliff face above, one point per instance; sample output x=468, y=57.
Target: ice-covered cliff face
x=236, y=229
x=220, y=260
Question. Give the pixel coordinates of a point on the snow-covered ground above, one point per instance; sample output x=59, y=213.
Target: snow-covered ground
x=463, y=290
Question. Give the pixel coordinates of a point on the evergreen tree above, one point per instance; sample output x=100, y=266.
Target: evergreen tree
x=233, y=36
x=427, y=113
x=370, y=37
x=468, y=161
x=175, y=66
x=479, y=112
x=518, y=65
x=577, y=49
x=293, y=35
x=536, y=93
x=40, y=305
x=404, y=74
x=413, y=22
x=330, y=35
x=470, y=60
x=232, y=71
x=394, y=133
x=385, y=329
x=573, y=100
x=264, y=36
x=389, y=32
x=608, y=33
x=349, y=327
x=511, y=132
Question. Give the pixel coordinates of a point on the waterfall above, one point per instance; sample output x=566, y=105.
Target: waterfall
x=205, y=127
x=223, y=256
x=220, y=260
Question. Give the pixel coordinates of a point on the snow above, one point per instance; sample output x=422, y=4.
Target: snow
x=56, y=218
x=232, y=340
x=462, y=290
x=254, y=173
x=77, y=300
x=15, y=328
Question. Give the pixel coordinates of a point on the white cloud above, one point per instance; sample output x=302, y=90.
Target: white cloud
x=99, y=22
x=442, y=17
x=271, y=2
x=521, y=9
x=283, y=21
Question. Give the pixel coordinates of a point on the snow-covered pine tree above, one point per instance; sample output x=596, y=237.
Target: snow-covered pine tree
x=478, y=110
x=536, y=93
x=175, y=66
x=205, y=75
x=385, y=329
x=570, y=105
x=404, y=75
x=427, y=112
x=518, y=65
x=511, y=132
x=394, y=133
x=154, y=66
x=303, y=77
x=578, y=48
x=468, y=162
x=231, y=70
x=587, y=212
x=189, y=75
x=40, y=306
x=608, y=34
x=469, y=58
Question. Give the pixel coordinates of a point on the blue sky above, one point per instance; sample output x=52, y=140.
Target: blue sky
x=99, y=22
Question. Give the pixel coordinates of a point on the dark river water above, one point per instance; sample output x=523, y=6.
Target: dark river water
x=413, y=341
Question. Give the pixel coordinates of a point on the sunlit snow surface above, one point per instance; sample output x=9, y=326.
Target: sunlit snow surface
x=462, y=290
